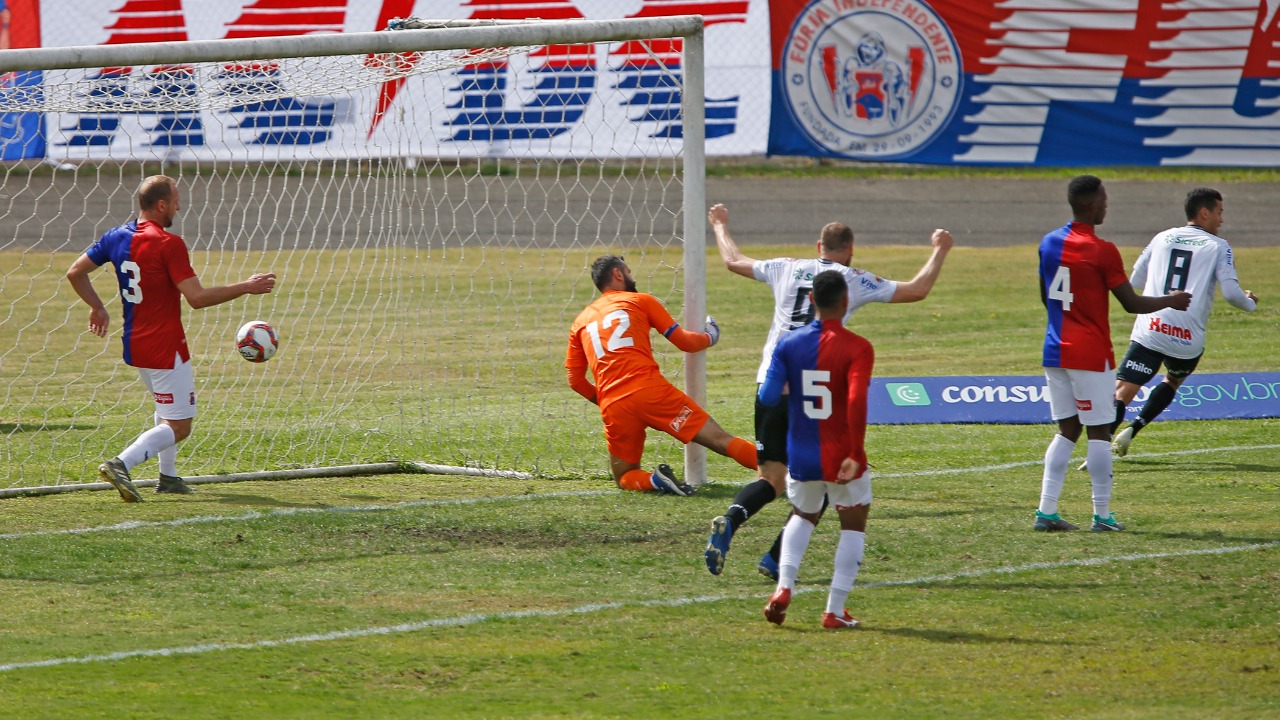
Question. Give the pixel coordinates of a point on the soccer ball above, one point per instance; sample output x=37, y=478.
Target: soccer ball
x=256, y=341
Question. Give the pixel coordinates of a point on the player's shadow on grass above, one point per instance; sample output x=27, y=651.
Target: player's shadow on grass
x=1143, y=467
x=958, y=637
x=246, y=500
x=901, y=515
x=9, y=428
x=1212, y=536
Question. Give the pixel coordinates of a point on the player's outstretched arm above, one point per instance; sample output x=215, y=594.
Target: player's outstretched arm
x=1136, y=304
x=199, y=296
x=919, y=286
x=78, y=276
x=733, y=258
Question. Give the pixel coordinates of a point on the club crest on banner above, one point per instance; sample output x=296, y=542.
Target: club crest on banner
x=868, y=79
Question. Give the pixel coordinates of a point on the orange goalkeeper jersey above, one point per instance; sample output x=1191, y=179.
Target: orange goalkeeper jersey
x=611, y=337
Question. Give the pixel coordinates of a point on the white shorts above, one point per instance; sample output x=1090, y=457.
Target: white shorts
x=174, y=390
x=807, y=495
x=1087, y=393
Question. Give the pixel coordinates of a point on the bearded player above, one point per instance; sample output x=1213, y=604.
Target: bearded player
x=611, y=339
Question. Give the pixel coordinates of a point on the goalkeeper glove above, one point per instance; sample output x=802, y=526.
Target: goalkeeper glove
x=713, y=330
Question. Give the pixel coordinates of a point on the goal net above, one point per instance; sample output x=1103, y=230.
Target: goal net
x=430, y=199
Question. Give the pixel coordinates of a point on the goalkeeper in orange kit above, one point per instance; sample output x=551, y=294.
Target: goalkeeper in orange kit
x=611, y=338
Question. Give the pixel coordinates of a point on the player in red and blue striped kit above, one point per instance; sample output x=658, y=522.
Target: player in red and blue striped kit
x=827, y=369
x=1077, y=271
x=153, y=270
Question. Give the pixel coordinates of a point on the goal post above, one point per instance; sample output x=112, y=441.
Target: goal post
x=431, y=200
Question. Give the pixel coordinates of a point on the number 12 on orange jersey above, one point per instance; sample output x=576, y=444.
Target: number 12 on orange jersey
x=617, y=339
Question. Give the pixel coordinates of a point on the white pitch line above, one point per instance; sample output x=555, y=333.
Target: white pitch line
x=282, y=512
x=475, y=619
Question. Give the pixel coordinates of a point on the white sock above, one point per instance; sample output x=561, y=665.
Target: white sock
x=848, y=562
x=148, y=445
x=1056, y=460
x=795, y=540
x=1099, y=458
x=168, y=457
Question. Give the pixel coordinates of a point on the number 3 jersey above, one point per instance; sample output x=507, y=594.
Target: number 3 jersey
x=1078, y=269
x=149, y=264
x=791, y=281
x=828, y=371
x=611, y=337
x=1184, y=258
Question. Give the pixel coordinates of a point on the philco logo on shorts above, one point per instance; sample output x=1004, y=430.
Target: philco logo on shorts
x=1135, y=365
x=871, y=80
x=1084, y=405
x=164, y=398
x=678, y=423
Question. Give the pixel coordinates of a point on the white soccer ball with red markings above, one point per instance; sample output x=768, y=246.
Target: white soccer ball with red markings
x=256, y=341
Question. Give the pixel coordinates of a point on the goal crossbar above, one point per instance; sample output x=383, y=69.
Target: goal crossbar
x=434, y=39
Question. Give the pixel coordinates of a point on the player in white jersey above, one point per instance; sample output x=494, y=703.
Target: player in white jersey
x=1193, y=258
x=791, y=280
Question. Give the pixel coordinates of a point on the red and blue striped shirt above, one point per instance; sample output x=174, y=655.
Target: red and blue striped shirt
x=1078, y=270
x=149, y=264
x=828, y=371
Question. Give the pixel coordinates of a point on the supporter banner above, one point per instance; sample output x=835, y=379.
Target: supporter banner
x=21, y=134
x=1071, y=82
x=557, y=100
x=1025, y=400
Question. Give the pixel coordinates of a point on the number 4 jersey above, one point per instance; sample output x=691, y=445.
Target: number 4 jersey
x=149, y=264
x=828, y=371
x=1184, y=258
x=791, y=281
x=1078, y=269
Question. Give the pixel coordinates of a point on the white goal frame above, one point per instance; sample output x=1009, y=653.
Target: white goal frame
x=451, y=35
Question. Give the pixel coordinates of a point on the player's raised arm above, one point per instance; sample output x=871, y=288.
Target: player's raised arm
x=78, y=276
x=199, y=296
x=918, y=287
x=733, y=258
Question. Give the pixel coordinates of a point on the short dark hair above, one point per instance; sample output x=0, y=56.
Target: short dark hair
x=828, y=287
x=1082, y=190
x=154, y=189
x=836, y=236
x=602, y=269
x=1201, y=197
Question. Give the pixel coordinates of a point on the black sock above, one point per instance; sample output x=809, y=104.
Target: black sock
x=1120, y=408
x=1157, y=401
x=749, y=501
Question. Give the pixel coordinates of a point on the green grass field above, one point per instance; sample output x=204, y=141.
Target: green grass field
x=420, y=596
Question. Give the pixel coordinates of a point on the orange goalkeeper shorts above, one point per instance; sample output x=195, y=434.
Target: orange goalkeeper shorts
x=662, y=407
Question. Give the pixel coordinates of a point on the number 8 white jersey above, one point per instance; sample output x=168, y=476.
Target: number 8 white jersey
x=1184, y=258
x=791, y=281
